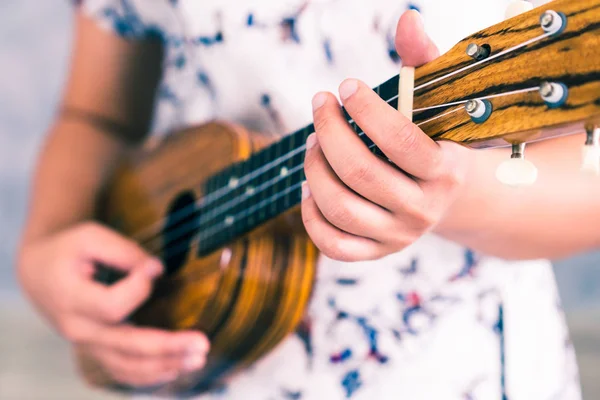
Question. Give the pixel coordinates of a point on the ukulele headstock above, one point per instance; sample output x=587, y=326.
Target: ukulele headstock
x=535, y=76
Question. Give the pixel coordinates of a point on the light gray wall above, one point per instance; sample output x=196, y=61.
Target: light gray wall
x=34, y=50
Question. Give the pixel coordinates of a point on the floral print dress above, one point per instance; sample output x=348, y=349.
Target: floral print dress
x=435, y=321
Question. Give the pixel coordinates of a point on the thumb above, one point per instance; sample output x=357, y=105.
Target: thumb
x=413, y=45
x=101, y=245
x=112, y=304
x=98, y=244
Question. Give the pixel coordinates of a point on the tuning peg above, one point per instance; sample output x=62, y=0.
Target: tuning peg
x=517, y=171
x=590, y=154
x=517, y=7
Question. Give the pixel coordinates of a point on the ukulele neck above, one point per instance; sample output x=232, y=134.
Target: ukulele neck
x=251, y=192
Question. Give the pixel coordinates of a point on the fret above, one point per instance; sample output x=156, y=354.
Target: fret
x=208, y=242
x=389, y=89
x=283, y=171
x=298, y=159
x=238, y=199
x=284, y=175
x=252, y=164
x=273, y=173
x=290, y=145
x=274, y=182
x=286, y=144
x=217, y=217
x=263, y=159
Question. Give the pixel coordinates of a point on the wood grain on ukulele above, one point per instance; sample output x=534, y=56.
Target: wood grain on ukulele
x=220, y=205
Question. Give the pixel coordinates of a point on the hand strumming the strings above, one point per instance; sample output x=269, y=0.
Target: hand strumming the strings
x=356, y=205
x=57, y=273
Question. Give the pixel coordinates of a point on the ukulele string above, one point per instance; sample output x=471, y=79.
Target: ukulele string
x=221, y=226
x=222, y=209
x=440, y=116
x=227, y=206
x=154, y=229
x=491, y=96
x=490, y=58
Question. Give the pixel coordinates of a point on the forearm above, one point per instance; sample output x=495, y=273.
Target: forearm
x=76, y=160
x=556, y=217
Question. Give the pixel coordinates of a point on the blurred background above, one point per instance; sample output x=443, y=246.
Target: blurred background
x=35, y=40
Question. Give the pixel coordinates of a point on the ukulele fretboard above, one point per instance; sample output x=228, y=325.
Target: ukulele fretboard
x=267, y=184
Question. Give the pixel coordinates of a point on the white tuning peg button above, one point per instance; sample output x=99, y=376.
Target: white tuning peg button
x=517, y=171
x=517, y=7
x=590, y=153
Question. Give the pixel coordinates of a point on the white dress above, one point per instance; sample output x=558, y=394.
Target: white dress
x=435, y=321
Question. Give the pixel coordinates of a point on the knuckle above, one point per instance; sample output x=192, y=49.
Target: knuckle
x=163, y=345
x=339, y=211
x=355, y=171
x=436, y=167
x=70, y=330
x=113, y=312
x=424, y=219
x=307, y=219
x=400, y=240
x=310, y=219
x=362, y=110
x=454, y=178
x=87, y=229
x=333, y=249
x=403, y=139
x=420, y=216
x=323, y=121
x=309, y=163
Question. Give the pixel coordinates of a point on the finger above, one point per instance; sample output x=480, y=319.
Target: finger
x=365, y=173
x=340, y=206
x=141, y=371
x=150, y=342
x=115, y=303
x=99, y=244
x=331, y=241
x=396, y=136
x=413, y=45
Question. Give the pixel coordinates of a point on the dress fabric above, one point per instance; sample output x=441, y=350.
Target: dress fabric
x=434, y=321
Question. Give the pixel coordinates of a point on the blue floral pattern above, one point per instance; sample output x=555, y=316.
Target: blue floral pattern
x=435, y=321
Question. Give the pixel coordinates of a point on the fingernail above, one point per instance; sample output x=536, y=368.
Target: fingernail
x=420, y=20
x=348, y=88
x=318, y=100
x=154, y=267
x=311, y=140
x=305, y=191
x=193, y=362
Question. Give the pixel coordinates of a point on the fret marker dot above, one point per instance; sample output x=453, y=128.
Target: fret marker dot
x=250, y=190
x=284, y=171
x=229, y=220
x=233, y=182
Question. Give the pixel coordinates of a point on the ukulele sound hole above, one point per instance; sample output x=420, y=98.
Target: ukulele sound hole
x=180, y=227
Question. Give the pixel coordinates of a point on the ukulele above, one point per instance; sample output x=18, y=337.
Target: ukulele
x=220, y=205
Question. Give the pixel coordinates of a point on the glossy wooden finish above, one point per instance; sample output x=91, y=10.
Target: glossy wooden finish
x=248, y=296
x=251, y=294
x=571, y=57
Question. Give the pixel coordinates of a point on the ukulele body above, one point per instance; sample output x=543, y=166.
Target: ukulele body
x=248, y=296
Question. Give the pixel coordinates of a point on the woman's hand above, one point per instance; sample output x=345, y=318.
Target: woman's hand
x=356, y=206
x=57, y=274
